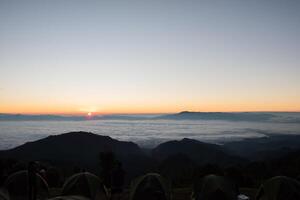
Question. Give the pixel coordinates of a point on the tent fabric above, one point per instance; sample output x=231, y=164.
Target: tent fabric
x=70, y=198
x=86, y=185
x=17, y=186
x=150, y=186
x=279, y=188
x=214, y=187
x=4, y=194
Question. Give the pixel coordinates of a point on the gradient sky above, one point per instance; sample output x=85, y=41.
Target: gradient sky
x=153, y=56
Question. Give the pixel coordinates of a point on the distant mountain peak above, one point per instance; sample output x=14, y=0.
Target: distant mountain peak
x=227, y=116
x=185, y=112
x=190, y=140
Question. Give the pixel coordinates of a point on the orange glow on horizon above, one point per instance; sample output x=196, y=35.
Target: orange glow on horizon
x=150, y=109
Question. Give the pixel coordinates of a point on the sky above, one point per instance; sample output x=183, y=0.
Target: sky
x=158, y=56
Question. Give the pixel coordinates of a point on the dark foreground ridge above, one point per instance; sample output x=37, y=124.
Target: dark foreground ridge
x=200, y=152
x=248, y=162
x=71, y=147
x=84, y=147
x=79, y=149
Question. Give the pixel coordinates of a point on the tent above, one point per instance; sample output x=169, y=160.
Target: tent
x=85, y=184
x=150, y=186
x=279, y=188
x=214, y=187
x=4, y=194
x=70, y=198
x=17, y=186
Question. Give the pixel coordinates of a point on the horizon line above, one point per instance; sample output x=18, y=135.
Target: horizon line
x=140, y=113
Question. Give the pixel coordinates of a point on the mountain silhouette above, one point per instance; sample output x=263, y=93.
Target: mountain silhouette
x=199, y=152
x=269, y=146
x=82, y=147
x=242, y=116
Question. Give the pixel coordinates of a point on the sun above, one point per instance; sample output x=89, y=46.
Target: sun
x=89, y=114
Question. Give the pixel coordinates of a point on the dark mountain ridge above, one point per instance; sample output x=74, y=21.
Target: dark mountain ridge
x=200, y=152
x=270, y=146
x=71, y=147
x=177, y=160
x=84, y=147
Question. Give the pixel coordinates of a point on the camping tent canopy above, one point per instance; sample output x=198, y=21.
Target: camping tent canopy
x=279, y=188
x=4, y=194
x=17, y=186
x=70, y=198
x=150, y=186
x=85, y=184
x=213, y=187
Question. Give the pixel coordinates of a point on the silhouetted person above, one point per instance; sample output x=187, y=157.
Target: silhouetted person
x=32, y=180
x=117, y=181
